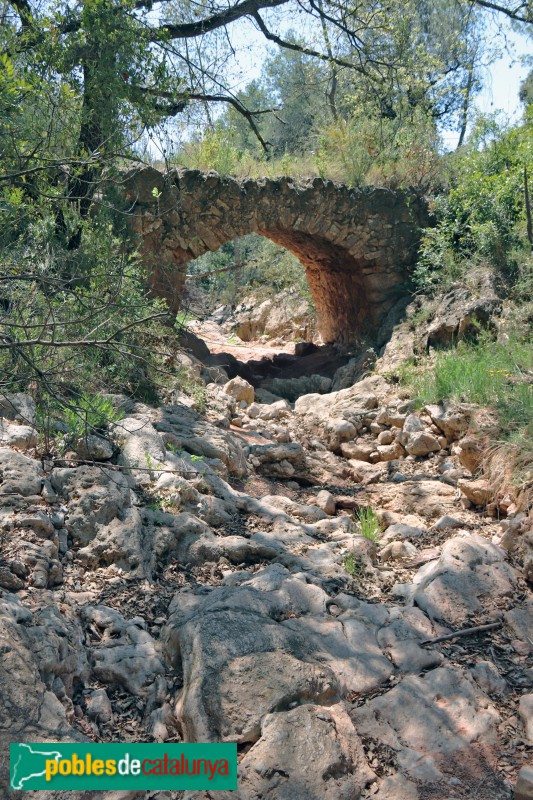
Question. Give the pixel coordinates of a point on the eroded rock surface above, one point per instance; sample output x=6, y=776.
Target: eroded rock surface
x=215, y=580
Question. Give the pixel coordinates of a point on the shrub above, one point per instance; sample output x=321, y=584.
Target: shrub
x=90, y=414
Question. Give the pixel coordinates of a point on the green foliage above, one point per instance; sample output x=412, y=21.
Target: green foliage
x=352, y=565
x=481, y=219
x=359, y=150
x=79, y=321
x=490, y=373
x=398, y=153
x=90, y=414
x=369, y=523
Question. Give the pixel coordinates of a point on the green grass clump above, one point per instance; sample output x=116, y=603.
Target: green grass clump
x=494, y=374
x=352, y=565
x=369, y=522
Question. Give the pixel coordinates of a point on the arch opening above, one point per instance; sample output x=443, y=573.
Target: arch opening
x=256, y=288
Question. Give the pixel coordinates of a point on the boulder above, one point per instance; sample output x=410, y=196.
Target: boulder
x=422, y=443
x=278, y=767
x=18, y=407
x=15, y=435
x=461, y=314
x=239, y=665
x=241, y=390
x=456, y=727
x=126, y=655
x=478, y=491
x=271, y=411
x=470, y=574
x=94, y=448
x=21, y=475
x=362, y=396
x=452, y=419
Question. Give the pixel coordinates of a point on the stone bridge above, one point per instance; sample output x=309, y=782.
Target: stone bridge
x=357, y=245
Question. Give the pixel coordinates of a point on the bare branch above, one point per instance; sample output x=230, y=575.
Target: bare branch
x=273, y=37
x=8, y=343
x=180, y=103
x=523, y=12
x=190, y=30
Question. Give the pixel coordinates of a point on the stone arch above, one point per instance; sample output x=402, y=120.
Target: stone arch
x=357, y=245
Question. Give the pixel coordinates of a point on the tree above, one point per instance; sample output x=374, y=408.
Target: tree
x=81, y=82
x=526, y=90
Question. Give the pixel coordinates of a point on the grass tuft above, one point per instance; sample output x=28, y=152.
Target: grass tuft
x=369, y=522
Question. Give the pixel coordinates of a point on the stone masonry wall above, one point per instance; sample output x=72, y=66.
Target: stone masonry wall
x=357, y=245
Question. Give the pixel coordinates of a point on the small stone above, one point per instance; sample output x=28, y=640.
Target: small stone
x=358, y=451
x=39, y=576
x=412, y=424
x=94, y=448
x=57, y=519
x=18, y=407
x=386, y=437
x=13, y=435
x=470, y=453
x=446, y=522
x=375, y=457
x=18, y=567
x=38, y=522
x=422, y=443
x=47, y=492
x=390, y=452
x=524, y=784
x=9, y=581
x=478, y=491
x=522, y=648
x=99, y=706
x=326, y=502
x=63, y=541
x=398, y=550
x=525, y=710
x=488, y=678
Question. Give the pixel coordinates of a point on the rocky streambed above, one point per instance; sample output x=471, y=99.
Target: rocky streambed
x=207, y=578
